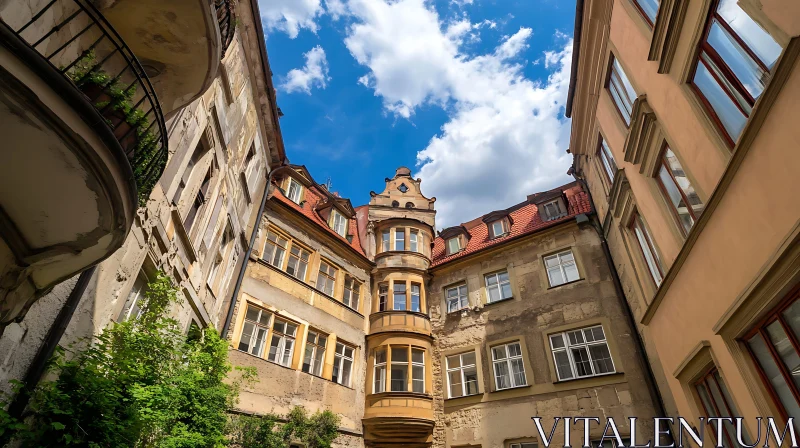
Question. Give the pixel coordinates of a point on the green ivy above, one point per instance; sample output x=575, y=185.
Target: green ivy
x=315, y=431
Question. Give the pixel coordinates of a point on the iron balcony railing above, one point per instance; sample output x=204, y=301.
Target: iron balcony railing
x=226, y=17
x=74, y=39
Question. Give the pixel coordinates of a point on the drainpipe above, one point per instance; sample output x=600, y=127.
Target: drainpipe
x=249, y=251
x=644, y=362
x=48, y=347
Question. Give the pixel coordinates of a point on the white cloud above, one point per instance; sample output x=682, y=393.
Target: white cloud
x=290, y=16
x=506, y=136
x=336, y=8
x=313, y=74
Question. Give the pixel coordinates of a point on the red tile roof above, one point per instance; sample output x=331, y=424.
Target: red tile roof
x=312, y=197
x=525, y=219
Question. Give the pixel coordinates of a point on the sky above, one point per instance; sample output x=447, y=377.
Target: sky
x=469, y=94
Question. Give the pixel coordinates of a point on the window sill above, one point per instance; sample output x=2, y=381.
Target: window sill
x=422, y=396
x=511, y=388
x=567, y=283
x=465, y=397
x=498, y=301
x=572, y=380
x=292, y=369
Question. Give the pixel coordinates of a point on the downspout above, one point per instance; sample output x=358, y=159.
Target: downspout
x=249, y=251
x=644, y=361
x=48, y=347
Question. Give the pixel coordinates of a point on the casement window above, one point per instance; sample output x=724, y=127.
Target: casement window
x=379, y=372
x=298, y=262
x=499, y=228
x=338, y=223
x=254, y=331
x=509, y=368
x=133, y=305
x=413, y=241
x=199, y=200
x=415, y=297
x=343, y=364
x=683, y=201
x=462, y=375
x=212, y=274
x=647, y=248
x=326, y=279
x=294, y=191
x=457, y=298
x=251, y=167
x=775, y=346
x=281, y=348
x=715, y=401
x=383, y=297
x=208, y=237
x=581, y=353
x=553, y=210
x=733, y=66
x=561, y=268
x=314, y=357
x=527, y=445
x=649, y=10
x=607, y=160
x=275, y=249
x=417, y=370
x=400, y=239
x=351, y=292
x=399, y=291
x=621, y=90
x=399, y=372
x=453, y=245
x=386, y=237
x=498, y=286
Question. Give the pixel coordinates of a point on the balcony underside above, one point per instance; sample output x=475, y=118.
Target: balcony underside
x=398, y=432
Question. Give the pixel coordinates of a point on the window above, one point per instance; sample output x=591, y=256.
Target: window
x=254, y=331
x=498, y=286
x=621, y=90
x=251, y=164
x=553, y=210
x=295, y=191
x=399, y=296
x=561, y=268
x=338, y=223
x=275, y=250
x=379, y=374
x=716, y=401
x=774, y=345
x=351, y=290
x=409, y=205
x=134, y=303
x=314, y=357
x=415, y=297
x=417, y=370
x=581, y=353
x=208, y=238
x=342, y=364
x=607, y=160
x=413, y=238
x=680, y=195
x=645, y=241
x=383, y=297
x=399, y=374
x=509, y=370
x=453, y=245
x=499, y=228
x=298, y=262
x=402, y=188
x=733, y=66
x=527, y=445
x=462, y=375
x=457, y=298
x=648, y=9
x=212, y=274
x=400, y=239
x=326, y=279
x=386, y=238
x=198, y=202
x=281, y=348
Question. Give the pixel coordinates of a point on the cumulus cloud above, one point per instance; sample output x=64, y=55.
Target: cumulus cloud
x=291, y=16
x=313, y=74
x=336, y=8
x=506, y=135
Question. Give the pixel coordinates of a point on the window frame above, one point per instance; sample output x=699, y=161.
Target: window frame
x=283, y=338
x=339, y=360
x=382, y=367
x=561, y=267
x=351, y=300
x=336, y=219
x=330, y=276
x=607, y=161
x=386, y=240
x=275, y=245
x=498, y=285
x=640, y=9
x=653, y=269
x=664, y=165
x=397, y=232
x=142, y=280
x=299, y=190
x=551, y=216
x=256, y=325
x=568, y=346
x=508, y=361
x=458, y=296
x=405, y=295
x=731, y=408
x=383, y=297
x=622, y=76
x=461, y=368
x=300, y=261
x=450, y=251
x=414, y=241
x=315, y=365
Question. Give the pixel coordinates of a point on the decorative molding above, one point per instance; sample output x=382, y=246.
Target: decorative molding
x=666, y=33
x=621, y=202
x=645, y=139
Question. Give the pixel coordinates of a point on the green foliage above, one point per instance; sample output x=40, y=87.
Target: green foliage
x=140, y=383
x=315, y=431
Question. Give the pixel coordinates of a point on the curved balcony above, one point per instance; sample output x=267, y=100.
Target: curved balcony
x=84, y=145
x=398, y=419
x=402, y=259
x=402, y=321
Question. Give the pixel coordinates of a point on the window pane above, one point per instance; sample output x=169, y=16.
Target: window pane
x=415, y=304
x=499, y=352
x=400, y=354
x=400, y=239
x=380, y=379
x=452, y=245
x=675, y=199
x=695, y=204
x=399, y=296
x=418, y=379
x=399, y=376
x=792, y=317
x=773, y=374
x=514, y=350
x=758, y=40
x=417, y=356
x=347, y=368
x=562, y=365
x=557, y=341
x=582, y=365
x=651, y=259
x=506, y=290
x=247, y=334
x=729, y=115
x=471, y=380
x=468, y=359
x=518, y=370
x=386, y=238
x=494, y=293
x=649, y=8
x=454, y=362
x=501, y=375
x=785, y=350
x=571, y=271
x=601, y=358
x=455, y=383
x=746, y=70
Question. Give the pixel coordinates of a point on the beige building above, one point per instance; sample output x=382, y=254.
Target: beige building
x=683, y=129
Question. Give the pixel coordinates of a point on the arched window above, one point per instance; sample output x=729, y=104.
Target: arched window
x=409, y=205
x=395, y=204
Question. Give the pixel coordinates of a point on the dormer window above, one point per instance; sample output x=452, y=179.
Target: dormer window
x=552, y=210
x=453, y=245
x=338, y=223
x=294, y=191
x=499, y=228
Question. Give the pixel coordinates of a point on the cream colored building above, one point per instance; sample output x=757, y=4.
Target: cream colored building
x=683, y=127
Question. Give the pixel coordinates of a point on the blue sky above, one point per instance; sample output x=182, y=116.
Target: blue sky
x=468, y=94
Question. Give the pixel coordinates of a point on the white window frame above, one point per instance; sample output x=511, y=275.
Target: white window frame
x=393, y=363
x=379, y=371
x=257, y=325
x=498, y=285
x=339, y=358
x=502, y=224
x=450, y=249
x=297, y=193
x=405, y=296
x=329, y=277
x=383, y=297
x=461, y=368
x=386, y=240
x=283, y=340
x=417, y=364
x=138, y=290
x=413, y=241
x=351, y=293
x=509, y=361
x=461, y=297
x=400, y=243
x=418, y=295
x=301, y=258
x=274, y=248
x=561, y=265
x=568, y=345
x=338, y=223
x=547, y=206
x=315, y=360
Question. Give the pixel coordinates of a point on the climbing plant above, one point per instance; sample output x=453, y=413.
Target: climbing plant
x=271, y=431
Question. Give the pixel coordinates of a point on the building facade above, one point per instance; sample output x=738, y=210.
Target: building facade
x=680, y=127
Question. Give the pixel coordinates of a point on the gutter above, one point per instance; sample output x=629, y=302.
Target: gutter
x=576, y=53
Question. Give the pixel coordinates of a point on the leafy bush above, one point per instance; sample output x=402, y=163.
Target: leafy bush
x=315, y=431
